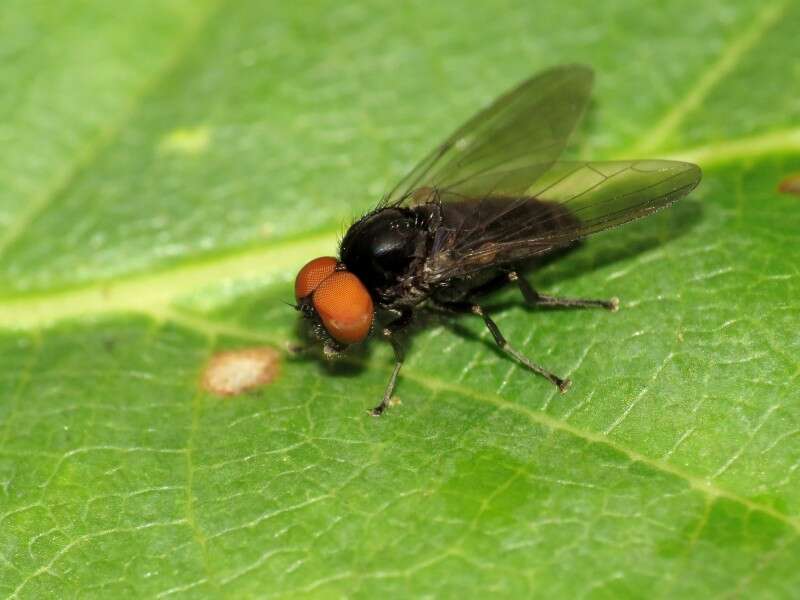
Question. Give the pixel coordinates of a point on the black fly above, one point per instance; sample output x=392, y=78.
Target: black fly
x=466, y=219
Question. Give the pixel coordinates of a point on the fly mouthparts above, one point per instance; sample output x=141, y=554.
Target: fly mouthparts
x=330, y=352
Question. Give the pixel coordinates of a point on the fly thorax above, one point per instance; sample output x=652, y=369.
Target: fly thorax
x=383, y=248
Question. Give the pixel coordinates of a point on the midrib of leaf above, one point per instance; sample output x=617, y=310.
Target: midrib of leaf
x=93, y=148
x=155, y=292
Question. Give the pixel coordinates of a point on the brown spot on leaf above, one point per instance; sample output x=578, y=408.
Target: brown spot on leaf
x=790, y=185
x=237, y=371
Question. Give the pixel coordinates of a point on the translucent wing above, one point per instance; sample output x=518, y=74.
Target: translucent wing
x=570, y=201
x=508, y=144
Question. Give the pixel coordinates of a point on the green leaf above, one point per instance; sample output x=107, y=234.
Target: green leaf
x=167, y=166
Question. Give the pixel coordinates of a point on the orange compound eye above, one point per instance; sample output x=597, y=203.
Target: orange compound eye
x=312, y=274
x=344, y=306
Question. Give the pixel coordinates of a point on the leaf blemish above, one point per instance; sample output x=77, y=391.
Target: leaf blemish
x=237, y=371
x=790, y=185
x=186, y=140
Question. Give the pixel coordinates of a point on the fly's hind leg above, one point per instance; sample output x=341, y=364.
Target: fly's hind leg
x=502, y=343
x=534, y=298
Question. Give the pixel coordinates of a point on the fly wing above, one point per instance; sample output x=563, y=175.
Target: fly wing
x=510, y=143
x=570, y=201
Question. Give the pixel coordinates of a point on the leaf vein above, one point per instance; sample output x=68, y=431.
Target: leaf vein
x=726, y=62
x=700, y=484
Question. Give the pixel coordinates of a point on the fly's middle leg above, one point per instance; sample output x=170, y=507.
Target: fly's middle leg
x=502, y=343
x=534, y=298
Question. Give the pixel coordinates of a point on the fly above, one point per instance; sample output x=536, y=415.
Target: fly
x=471, y=215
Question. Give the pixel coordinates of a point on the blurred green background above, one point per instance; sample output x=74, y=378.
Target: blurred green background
x=165, y=168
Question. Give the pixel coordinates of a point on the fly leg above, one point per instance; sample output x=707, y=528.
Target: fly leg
x=502, y=343
x=534, y=298
x=392, y=328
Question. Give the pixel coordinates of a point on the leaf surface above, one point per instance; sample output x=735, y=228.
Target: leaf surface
x=168, y=166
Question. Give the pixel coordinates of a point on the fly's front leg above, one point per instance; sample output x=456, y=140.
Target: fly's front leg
x=534, y=298
x=387, y=395
x=389, y=331
x=502, y=343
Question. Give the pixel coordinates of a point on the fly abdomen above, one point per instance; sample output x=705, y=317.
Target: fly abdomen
x=490, y=232
x=501, y=219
